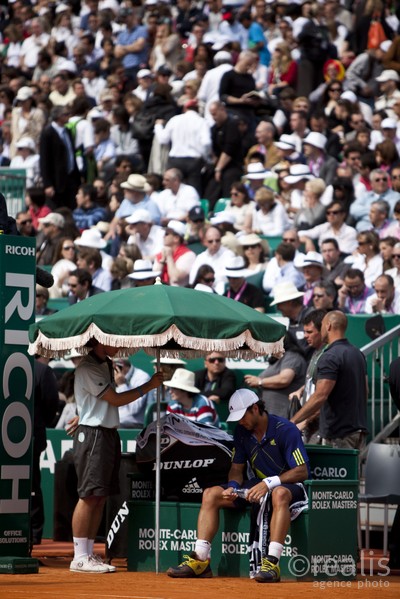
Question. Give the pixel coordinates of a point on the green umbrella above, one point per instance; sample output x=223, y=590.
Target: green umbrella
x=162, y=320
x=159, y=318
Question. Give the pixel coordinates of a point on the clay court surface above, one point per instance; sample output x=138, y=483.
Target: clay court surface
x=54, y=581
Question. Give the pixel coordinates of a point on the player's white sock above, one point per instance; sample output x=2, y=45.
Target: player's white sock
x=80, y=547
x=202, y=549
x=90, y=545
x=275, y=549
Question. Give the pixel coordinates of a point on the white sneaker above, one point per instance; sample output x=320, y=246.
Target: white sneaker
x=99, y=560
x=88, y=565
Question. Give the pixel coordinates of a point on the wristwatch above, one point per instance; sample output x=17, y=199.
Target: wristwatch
x=260, y=382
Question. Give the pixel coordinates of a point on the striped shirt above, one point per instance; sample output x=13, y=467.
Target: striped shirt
x=202, y=410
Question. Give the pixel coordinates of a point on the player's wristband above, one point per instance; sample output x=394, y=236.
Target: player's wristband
x=141, y=391
x=234, y=484
x=272, y=482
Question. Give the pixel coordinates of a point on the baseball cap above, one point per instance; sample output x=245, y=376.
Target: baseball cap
x=388, y=75
x=177, y=227
x=141, y=215
x=53, y=218
x=196, y=214
x=389, y=124
x=239, y=402
x=144, y=73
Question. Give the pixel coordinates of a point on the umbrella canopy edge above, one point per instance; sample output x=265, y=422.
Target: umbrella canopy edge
x=243, y=345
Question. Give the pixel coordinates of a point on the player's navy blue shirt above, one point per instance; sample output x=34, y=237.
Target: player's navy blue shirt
x=281, y=448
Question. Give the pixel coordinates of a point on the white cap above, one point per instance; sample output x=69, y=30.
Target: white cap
x=202, y=287
x=177, y=227
x=53, y=218
x=389, y=124
x=66, y=65
x=350, y=96
x=26, y=142
x=169, y=361
x=144, y=73
x=139, y=216
x=388, y=75
x=239, y=402
x=24, y=93
x=221, y=42
x=222, y=57
x=61, y=8
x=385, y=45
x=224, y=216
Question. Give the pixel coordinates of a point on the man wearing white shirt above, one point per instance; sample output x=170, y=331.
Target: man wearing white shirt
x=215, y=256
x=190, y=139
x=27, y=159
x=147, y=236
x=93, y=83
x=176, y=196
x=31, y=46
x=209, y=88
x=395, y=272
x=386, y=299
x=127, y=377
x=298, y=125
x=145, y=81
x=388, y=81
x=335, y=228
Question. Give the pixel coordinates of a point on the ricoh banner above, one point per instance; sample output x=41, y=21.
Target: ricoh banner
x=17, y=306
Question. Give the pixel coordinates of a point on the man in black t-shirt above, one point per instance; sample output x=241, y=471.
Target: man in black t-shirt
x=228, y=154
x=341, y=388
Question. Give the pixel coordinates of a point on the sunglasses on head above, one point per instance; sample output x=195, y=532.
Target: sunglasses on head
x=213, y=360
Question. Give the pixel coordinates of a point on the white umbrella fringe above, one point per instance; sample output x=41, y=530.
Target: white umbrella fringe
x=243, y=345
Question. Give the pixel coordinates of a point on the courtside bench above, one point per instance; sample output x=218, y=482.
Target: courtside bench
x=321, y=543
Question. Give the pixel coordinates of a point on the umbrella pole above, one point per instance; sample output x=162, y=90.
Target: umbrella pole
x=158, y=470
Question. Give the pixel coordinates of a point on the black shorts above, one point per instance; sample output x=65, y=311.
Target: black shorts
x=97, y=457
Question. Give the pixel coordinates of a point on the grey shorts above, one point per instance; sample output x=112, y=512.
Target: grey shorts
x=97, y=457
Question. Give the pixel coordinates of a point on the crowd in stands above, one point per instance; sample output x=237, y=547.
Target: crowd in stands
x=173, y=139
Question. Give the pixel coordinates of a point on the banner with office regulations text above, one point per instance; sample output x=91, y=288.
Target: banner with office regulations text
x=17, y=312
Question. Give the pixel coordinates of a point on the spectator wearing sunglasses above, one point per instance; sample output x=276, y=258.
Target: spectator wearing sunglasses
x=395, y=271
x=335, y=228
x=24, y=224
x=380, y=190
x=216, y=381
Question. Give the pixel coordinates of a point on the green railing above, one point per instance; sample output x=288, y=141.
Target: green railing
x=12, y=185
x=384, y=418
